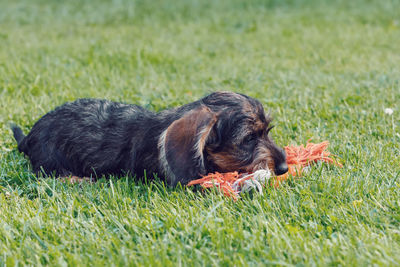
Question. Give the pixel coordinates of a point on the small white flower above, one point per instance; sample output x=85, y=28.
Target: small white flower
x=388, y=111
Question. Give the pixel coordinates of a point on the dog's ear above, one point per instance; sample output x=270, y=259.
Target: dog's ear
x=182, y=145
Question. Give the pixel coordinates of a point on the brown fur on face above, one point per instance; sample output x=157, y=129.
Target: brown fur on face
x=262, y=160
x=224, y=161
x=242, y=132
x=262, y=156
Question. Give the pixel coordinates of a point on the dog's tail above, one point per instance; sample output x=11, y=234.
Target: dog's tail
x=18, y=134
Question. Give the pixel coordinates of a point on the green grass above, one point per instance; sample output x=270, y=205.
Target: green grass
x=326, y=70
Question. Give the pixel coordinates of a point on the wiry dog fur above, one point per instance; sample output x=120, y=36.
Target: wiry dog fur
x=223, y=132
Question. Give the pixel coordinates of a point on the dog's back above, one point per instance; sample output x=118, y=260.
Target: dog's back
x=85, y=137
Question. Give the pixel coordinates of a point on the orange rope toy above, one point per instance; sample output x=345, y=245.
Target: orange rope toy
x=297, y=157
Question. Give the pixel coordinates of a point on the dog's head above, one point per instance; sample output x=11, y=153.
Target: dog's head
x=227, y=132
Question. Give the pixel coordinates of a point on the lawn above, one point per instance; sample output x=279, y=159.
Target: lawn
x=325, y=70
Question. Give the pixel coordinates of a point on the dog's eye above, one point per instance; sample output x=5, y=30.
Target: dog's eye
x=249, y=139
x=249, y=142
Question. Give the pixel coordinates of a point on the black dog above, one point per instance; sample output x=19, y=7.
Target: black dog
x=89, y=137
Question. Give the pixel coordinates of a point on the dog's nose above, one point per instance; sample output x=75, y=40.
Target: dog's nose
x=281, y=169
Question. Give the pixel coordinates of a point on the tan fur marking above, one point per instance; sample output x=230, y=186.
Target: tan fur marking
x=259, y=125
x=162, y=157
x=225, y=161
x=204, y=135
x=263, y=160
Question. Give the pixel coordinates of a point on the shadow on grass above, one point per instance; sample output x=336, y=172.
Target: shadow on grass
x=16, y=176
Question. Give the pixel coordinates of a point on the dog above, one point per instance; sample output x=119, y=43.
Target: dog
x=222, y=132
